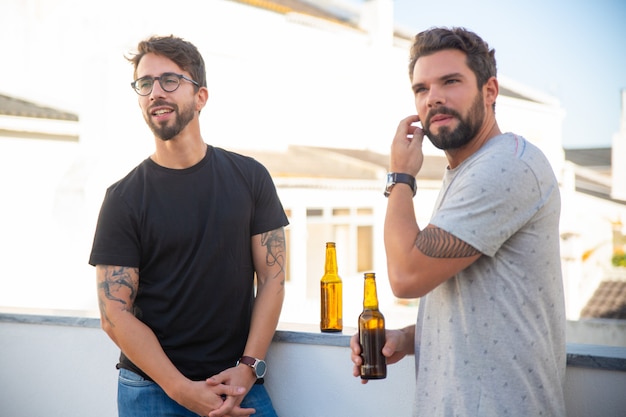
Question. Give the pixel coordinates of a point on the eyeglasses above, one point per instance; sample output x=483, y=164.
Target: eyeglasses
x=169, y=82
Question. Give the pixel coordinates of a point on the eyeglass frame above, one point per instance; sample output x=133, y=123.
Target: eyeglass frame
x=153, y=79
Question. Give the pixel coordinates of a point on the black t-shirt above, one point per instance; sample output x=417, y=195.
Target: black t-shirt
x=189, y=232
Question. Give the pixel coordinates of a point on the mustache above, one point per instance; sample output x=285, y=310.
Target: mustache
x=162, y=103
x=441, y=110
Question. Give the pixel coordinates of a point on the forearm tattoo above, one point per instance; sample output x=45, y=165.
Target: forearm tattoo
x=437, y=243
x=274, y=242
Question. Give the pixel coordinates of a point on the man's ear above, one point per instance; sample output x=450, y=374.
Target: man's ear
x=490, y=91
x=203, y=98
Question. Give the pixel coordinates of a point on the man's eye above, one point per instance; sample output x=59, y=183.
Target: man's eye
x=144, y=83
x=170, y=81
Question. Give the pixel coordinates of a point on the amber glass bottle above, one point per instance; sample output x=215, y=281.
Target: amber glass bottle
x=331, y=293
x=372, y=333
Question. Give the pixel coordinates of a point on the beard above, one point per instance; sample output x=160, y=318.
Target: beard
x=164, y=130
x=467, y=129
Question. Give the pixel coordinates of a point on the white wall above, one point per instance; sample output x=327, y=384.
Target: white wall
x=67, y=371
x=606, y=332
x=317, y=381
x=57, y=371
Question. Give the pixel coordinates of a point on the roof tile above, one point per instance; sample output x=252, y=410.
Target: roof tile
x=608, y=301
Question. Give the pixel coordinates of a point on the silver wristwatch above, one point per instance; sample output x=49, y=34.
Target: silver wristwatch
x=394, y=178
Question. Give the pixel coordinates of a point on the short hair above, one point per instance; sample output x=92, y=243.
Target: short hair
x=480, y=59
x=181, y=52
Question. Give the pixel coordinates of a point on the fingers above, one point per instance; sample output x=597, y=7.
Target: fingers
x=226, y=411
x=406, y=129
x=232, y=390
x=355, y=351
x=355, y=355
x=414, y=132
x=408, y=121
x=224, y=389
x=355, y=346
x=390, y=345
x=392, y=341
x=406, y=148
x=406, y=133
x=230, y=404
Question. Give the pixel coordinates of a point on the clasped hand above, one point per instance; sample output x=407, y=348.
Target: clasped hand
x=220, y=395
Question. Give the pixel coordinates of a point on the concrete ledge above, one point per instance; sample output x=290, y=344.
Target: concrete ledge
x=596, y=356
x=310, y=372
x=578, y=355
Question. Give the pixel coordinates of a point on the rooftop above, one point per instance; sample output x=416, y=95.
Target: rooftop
x=337, y=163
x=608, y=301
x=12, y=106
x=598, y=159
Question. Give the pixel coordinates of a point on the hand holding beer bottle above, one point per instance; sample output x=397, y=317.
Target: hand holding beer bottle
x=372, y=333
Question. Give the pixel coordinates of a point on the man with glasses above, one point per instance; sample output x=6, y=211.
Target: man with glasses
x=178, y=245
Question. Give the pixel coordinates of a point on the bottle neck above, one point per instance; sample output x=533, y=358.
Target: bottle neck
x=330, y=266
x=370, y=298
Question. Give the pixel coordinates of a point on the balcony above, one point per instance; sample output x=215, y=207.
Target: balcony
x=63, y=365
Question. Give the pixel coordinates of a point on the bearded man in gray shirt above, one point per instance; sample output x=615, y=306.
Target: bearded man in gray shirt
x=490, y=332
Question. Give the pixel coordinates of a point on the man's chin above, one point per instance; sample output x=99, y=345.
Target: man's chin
x=163, y=136
x=434, y=139
x=435, y=143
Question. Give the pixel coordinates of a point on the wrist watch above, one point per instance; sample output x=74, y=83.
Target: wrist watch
x=394, y=178
x=258, y=365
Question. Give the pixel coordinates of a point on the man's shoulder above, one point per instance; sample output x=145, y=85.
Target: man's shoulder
x=225, y=153
x=132, y=178
x=517, y=146
x=509, y=150
x=236, y=158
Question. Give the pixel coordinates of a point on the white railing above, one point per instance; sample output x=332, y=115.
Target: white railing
x=61, y=366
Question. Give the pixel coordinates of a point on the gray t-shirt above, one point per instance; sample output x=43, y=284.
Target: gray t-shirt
x=490, y=341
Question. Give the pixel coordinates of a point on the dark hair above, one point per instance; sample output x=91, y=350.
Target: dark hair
x=181, y=52
x=480, y=59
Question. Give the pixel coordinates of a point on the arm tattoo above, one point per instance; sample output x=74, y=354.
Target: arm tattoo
x=437, y=243
x=274, y=241
x=120, y=284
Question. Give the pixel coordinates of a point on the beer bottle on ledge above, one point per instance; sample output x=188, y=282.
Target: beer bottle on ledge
x=331, y=293
x=372, y=333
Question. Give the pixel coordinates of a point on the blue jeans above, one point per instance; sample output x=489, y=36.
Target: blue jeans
x=138, y=397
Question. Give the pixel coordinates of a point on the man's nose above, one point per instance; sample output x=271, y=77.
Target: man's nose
x=435, y=97
x=157, y=90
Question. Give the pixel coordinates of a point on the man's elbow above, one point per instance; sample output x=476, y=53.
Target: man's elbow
x=108, y=327
x=406, y=286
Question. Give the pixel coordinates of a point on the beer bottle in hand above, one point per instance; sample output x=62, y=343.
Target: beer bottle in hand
x=331, y=293
x=372, y=333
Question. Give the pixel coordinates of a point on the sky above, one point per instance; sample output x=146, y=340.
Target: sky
x=574, y=50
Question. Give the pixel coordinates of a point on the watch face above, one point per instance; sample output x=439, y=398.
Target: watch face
x=390, y=183
x=260, y=369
